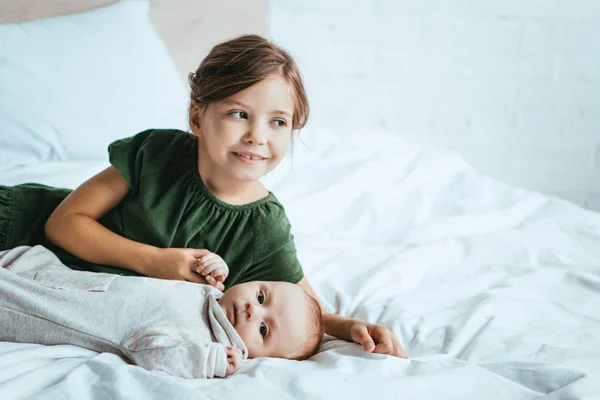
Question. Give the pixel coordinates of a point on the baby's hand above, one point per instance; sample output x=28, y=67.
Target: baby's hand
x=234, y=360
x=213, y=269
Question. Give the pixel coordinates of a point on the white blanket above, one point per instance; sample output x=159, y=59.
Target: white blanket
x=493, y=291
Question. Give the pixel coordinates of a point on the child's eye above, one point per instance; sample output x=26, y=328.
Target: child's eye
x=239, y=114
x=261, y=297
x=263, y=330
x=280, y=122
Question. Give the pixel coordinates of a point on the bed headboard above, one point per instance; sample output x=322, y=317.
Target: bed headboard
x=189, y=28
x=27, y=10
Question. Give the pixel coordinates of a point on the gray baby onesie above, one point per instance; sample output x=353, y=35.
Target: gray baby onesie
x=171, y=326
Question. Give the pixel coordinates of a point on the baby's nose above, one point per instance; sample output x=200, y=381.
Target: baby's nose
x=250, y=310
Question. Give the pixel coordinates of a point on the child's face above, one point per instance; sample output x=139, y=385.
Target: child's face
x=254, y=122
x=271, y=317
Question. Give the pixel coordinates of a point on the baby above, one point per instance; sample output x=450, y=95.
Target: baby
x=181, y=328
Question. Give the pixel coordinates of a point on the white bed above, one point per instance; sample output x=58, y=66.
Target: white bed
x=493, y=291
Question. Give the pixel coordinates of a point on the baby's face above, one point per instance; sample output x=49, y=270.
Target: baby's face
x=272, y=318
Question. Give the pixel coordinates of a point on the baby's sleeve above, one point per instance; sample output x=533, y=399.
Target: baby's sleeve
x=28, y=261
x=175, y=352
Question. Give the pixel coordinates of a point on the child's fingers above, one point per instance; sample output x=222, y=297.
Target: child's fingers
x=368, y=344
x=402, y=353
x=398, y=350
x=384, y=347
x=198, y=253
x=193, y=277
x=386, y=341
x=364, y=339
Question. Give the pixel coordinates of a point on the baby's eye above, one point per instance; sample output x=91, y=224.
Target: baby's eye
x=261, y=297
x=263, y=330
x=239, y=114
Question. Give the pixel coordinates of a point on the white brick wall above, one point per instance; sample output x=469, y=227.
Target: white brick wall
x=514, y=85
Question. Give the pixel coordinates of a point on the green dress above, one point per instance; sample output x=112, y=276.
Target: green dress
x=168, y=205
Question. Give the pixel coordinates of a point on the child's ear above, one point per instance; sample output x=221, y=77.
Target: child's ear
x=194, y=117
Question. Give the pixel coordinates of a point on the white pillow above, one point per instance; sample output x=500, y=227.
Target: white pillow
x=70, y=85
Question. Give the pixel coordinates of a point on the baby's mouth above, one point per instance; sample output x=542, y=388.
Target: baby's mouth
x=233, y=315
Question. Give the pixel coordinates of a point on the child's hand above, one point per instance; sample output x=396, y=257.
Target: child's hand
x=212, y=267
x=178, y=264
x=234, y=360
x=375, y=338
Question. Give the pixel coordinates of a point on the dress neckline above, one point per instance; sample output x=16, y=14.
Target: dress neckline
x=241, y=207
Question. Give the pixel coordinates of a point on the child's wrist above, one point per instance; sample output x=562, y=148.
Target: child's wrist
x=146, y=259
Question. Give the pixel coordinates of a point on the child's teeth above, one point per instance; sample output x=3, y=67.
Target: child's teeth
x=249, y=157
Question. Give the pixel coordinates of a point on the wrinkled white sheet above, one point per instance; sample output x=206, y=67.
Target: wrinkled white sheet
x=494, y=291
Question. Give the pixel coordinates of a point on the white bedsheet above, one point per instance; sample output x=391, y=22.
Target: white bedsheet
x=494, y=291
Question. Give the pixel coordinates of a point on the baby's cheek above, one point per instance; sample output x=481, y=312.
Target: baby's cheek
x=247, y=339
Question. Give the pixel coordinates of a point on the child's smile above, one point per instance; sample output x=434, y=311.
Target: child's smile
x=249, y=158
x=246, y=135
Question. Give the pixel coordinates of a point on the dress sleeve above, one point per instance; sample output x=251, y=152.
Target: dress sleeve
x=275, y=256
x=127, y=156
x=163, y=348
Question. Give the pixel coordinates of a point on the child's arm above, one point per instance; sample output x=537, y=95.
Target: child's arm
x=373, y=338
x=74, y=226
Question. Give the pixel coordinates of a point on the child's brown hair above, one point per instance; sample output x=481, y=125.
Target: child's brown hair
x=236, y=64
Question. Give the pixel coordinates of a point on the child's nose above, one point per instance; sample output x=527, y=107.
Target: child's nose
x=256, y=136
